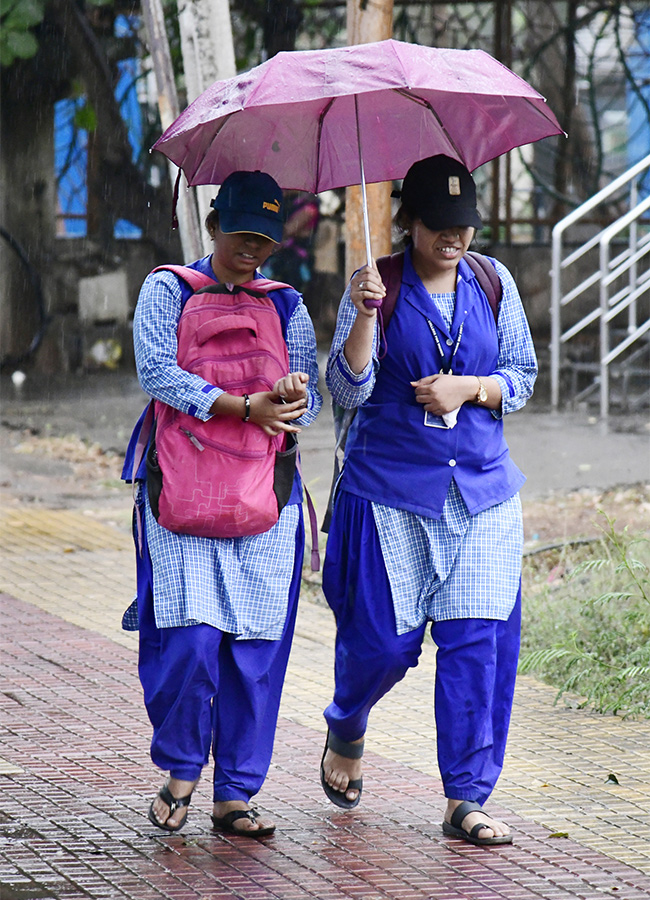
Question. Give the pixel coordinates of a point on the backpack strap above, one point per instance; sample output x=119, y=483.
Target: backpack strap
x=266, y=284
x=196, y=280
x=390, y=268
x=488, y=279
x=140, y=449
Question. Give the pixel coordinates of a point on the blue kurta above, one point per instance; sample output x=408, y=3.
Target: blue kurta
x=445, y=501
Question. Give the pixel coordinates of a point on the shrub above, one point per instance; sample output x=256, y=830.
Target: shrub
x=587, y=621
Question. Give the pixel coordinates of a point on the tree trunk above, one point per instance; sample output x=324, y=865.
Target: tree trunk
x=367, y=22
x=208, y=56
x=28, y=216
x=168, y=107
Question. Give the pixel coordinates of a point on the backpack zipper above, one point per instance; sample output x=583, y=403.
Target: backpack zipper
x=193, y=438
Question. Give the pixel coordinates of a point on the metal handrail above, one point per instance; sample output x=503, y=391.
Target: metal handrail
x=611, y=307
x=633, y=253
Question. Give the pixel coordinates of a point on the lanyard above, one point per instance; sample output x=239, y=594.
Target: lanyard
x=446, y=367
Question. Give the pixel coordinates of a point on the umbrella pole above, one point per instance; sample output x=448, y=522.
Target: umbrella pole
x=364, y=196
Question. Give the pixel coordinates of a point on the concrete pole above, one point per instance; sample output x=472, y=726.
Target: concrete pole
x=367, y=21
x=208, y=56
x=188, y=220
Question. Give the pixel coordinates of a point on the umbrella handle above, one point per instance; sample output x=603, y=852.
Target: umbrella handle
x=364, y=196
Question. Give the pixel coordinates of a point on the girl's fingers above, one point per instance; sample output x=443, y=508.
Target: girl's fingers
x=287, y=415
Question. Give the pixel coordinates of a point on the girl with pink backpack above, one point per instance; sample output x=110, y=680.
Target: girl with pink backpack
x=230, y=360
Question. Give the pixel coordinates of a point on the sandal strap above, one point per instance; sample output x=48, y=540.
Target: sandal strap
x=230, y=818
x=172, y=802
x=478, y=828
x=344, y=748
x=464, y=809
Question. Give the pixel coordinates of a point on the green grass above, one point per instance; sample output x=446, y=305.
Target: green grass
x=586, y=620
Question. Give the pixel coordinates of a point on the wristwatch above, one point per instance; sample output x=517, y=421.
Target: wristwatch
x=481, y=394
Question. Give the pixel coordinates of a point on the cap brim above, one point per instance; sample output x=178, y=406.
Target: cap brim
x=248, y=223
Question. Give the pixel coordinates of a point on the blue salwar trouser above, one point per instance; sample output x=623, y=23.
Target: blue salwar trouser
x=476, y=660
x=203, y=690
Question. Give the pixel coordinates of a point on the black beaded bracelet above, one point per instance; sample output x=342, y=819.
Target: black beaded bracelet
x=247, y=408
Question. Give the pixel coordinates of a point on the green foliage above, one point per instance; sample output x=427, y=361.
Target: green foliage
x=85, y=117
x=17, y=18
x=587, y=622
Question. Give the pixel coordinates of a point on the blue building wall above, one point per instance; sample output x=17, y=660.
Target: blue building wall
x=71, y=144
x=638, y=117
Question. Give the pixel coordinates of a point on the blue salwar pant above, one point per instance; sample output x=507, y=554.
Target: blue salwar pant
x=204, y=690
x=476, y=661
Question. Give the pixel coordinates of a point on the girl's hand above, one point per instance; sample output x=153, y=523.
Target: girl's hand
x=273, y=410
x=273, y=414
x=366, y=284
x=441, y=394
x=292, y=387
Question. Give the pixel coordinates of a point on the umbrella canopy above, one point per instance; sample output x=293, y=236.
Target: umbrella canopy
x=302, y=115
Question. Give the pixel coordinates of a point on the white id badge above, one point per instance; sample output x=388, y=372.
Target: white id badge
x=432, y=421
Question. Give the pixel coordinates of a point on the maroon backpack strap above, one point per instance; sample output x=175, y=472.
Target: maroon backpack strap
x=390, y=269
x=488, y=279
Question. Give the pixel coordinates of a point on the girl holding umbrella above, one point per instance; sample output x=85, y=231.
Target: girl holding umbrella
x=427, y=526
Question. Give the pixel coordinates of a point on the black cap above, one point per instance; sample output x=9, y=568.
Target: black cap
x=441, y=192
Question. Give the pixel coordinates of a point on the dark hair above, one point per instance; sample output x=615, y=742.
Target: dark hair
x=212, y=222
x=402, y=220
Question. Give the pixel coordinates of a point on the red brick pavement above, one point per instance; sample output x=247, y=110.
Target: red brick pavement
x=73, y=823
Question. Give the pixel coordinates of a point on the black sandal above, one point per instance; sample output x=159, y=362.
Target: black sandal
x=454, y=828
x=173, y=803
x=227, y=823
x=349, y=751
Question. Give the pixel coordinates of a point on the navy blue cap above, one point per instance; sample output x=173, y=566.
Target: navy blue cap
x=441, y=192
x=252, y=202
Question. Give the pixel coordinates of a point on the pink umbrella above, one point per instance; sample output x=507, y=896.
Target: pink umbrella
x=322, y=119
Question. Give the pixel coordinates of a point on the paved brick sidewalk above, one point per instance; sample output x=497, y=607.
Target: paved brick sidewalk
x=78, y=780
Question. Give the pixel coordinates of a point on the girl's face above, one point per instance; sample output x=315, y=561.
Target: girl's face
x=439, y=251
x=237, y=256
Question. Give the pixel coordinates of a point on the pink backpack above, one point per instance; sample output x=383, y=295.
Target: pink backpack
x=223, y=478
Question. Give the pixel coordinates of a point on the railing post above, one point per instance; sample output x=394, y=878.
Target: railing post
x=633, y=246
x=604, y=329
x=556, y=269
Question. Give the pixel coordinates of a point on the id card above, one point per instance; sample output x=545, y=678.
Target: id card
x=432, y=421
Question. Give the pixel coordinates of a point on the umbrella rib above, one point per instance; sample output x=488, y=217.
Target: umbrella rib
x=543, y=112
x=423, y=102
x=318, y=142
x=220, y=126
